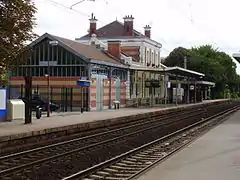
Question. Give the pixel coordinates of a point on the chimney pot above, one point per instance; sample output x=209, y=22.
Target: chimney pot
x=147, y=32
x=93, y=25
x=128, y=25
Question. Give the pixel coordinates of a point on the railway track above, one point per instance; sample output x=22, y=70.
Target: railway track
x=49, y=161
x=54, y=138
x=135, y=162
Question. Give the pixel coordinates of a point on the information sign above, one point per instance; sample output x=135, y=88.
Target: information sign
x=3, y=104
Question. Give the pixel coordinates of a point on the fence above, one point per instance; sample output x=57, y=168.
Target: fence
x=69, y=98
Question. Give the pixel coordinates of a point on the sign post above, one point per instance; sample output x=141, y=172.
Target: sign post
x=3, y=104
x=83, y=82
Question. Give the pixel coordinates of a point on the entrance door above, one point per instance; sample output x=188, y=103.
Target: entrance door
x=118, y=90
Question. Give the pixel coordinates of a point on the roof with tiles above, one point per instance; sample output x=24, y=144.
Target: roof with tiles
x=90, y=52
x=112, y=29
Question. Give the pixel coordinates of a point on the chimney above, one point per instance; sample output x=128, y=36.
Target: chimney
x=114, y=48
x=93, y=25
x=147, y=32
x=128, y=25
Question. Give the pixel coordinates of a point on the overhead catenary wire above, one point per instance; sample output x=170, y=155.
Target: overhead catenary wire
x=57, y=4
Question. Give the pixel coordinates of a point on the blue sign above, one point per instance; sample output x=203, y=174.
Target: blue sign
x=3, y=104
x=83, y=83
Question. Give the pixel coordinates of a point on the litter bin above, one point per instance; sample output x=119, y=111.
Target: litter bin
x=38, y=112
x=116, y=104
x=16, y=109
x=82, y=109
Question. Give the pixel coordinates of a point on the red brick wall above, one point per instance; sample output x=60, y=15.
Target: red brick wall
x=58, y=83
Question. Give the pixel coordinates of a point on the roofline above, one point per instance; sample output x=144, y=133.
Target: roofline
x=146, y=68
x=206, y=83
x=167, y=69
x=122, y=37
x=140, y=35
x=95, y=61
x=46, y=35
x=183, y=69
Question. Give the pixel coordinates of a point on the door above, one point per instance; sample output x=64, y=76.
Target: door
x=118, y=90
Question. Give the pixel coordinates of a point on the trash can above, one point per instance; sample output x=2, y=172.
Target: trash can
x=82, y=109
x=116, y=104
x=38, y=112
x=15, y=110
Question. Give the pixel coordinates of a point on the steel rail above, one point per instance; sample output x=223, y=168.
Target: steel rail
x=12, y=169
x=124, y=155
x=94, y=135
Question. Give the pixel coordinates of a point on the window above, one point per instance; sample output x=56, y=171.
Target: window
x=45, y=51
x=152, y=60
x=37, y=56
x=64, y=69
x=64, y=57
x=82, y=71
x=69, y=74
x=73, y=70
x=68, y=57
x=27, y=71
x=42, y=71
x=73, y=59
x=156, y=59
x=33, y=57
x=51, y=71
x=159, y=58
x=55, y=49
x=33, y=69
x=78, y=71
x=41, y=52
x=19, y=72
x=59, y=69
x=59, y=51
x=55, y=71
x=37, y=72
x=148, y=57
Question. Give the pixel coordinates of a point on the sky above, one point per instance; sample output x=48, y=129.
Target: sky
x=174, y=23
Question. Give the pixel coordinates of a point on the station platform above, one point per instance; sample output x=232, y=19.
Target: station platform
x=67, y=121
x=214, y=156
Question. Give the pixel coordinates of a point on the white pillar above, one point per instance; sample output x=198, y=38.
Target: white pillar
x=128, y=85
x=206, y=93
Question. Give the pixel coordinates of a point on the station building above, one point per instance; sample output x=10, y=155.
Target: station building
x=68, y=62
x=121, y=63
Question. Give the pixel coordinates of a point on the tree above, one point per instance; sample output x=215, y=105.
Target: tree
x=217, y=66
x=176, y=57
x=16, y=28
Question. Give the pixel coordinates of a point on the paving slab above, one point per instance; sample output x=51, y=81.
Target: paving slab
x=214, y=156
x=64, y=121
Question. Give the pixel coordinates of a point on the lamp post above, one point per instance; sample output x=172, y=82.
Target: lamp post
x=52, y=43
x=201, y=89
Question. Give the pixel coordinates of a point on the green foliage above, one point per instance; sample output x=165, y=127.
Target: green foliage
x=176, y=57
x=217, y=66
x=16, y=28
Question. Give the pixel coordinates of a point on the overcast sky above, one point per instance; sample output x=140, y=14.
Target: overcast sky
x=174, y=23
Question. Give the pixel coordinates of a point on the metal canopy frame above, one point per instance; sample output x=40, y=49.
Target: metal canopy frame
x=236, y=56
